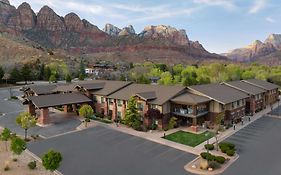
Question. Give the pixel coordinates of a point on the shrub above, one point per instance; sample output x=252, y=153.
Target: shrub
x=210, y=157
x=51, y=160
x=224, y=149
x=230, y=152
x=136, y=125
x=209, y=146
x=172, y=123
x=214, y=165
x=32, y=165
x=166, y=129
x=15, y=159
x=227, y=144
x=204, y=155
x=220, y=159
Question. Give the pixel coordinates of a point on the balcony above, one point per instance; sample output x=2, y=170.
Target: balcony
x=189, y=112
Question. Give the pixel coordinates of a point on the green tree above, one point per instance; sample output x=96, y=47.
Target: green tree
x=82, y=69
x=51, y=160
x=15, y=75
x=81, y=77
x=189, y=76
x=172, y=123
x=86, y=111
x=131, y=112
x=177, y=69
x=5, y=136
x=47, y=73
x=18, y=145
x=52, y=78
x=166, y=79
x=1, y=73
x=68, y=78
x=248, y=74
x=26, y=121
x=142, y=79
x=26, y=73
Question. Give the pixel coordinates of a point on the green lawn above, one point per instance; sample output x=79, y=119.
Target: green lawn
x=188, y=138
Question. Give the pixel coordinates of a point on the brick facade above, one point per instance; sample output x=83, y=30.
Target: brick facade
x=44, y=117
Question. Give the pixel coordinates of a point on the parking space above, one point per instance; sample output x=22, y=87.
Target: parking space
x=101, y=150
x=258, y=147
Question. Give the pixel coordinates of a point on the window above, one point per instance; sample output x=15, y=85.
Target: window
x=102, y=99
x=94, y=98
x=119, y=102
x=119, y=114
x=140, y=106
x=238, y=103
x=153, y=106
x=111, y=101
x=232, y=105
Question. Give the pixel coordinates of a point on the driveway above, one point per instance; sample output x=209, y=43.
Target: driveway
x=104, y=151
x=11, y=109
x=258, y=147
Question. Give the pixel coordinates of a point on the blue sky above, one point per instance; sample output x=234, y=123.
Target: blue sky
x=220, y=25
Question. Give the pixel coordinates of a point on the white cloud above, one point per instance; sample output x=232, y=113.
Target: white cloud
x=227, y=4
x=269, y=19
x=257, y=6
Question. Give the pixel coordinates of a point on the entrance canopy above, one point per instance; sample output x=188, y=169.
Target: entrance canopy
x=52, y=100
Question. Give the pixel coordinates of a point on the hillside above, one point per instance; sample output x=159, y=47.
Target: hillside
x=71, y=35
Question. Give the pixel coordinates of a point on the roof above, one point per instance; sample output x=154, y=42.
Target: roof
x=42, y=89
x=103, y=87
x=221, y=93
x=65, y=88
x=189, y=98
x=160, y=93
x=58, y=99
x=245, y=87
x=262, y=84
x=147, y=95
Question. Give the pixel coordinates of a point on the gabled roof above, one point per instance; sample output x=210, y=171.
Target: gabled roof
x=160, y=93
x=147, y=95
x=65, y=88
x=262, y=84
x=189, y=98
x=245, y=87
x=58, y=99
x=104, y=87
x=221, y=93
x=42, y=89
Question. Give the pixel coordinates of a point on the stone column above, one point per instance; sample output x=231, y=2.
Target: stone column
x=106, y=107
x=194, y=110
x=44, y=116
x=123, y=108
x=65, y=108
x=31, y=109
x=114, y=110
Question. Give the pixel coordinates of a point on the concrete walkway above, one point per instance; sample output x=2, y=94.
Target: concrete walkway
x=156, y=136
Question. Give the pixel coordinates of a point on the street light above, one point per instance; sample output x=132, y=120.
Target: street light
x=206, y=135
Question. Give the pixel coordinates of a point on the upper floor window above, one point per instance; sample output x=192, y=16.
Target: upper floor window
x=140, y=106
x=102, y=100
x=154, y=106
x=119, y=102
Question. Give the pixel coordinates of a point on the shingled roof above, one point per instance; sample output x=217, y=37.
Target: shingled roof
x=53, y=100
x=42, y=89
x=189, y=98
x=103, y=87
x=221, y=93
x=245, y=87
x=262, y=84
x=160, y=93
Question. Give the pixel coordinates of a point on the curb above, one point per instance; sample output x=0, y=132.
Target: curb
x=39, y=160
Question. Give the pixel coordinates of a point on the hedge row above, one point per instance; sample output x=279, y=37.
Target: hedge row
x=210, y=157
x=227, y=148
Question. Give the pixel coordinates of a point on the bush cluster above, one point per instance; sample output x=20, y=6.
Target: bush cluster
x=227, y=148
x=32, y=165
x=209, y=147
x=212, y=158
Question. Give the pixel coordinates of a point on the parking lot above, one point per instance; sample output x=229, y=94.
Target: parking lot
x=259, y=148
x=103, y=151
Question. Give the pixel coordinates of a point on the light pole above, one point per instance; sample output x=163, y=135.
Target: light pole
x=206, y=135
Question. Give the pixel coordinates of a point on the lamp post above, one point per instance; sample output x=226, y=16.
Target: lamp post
x=206, y=135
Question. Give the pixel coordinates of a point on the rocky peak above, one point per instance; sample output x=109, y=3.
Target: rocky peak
x=47, y=19
x=162, y=31
x=275, y=40
x=73, y=22
x=111, y=30
x=5, y=1
x=129, y=30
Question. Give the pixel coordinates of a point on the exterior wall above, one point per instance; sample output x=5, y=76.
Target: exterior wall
x=271, y=96
x=235, y=114
x=215, y=107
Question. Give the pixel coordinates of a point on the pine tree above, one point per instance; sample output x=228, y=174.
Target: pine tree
x=131, y=112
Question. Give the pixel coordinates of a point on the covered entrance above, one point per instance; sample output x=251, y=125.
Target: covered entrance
x=69, y=101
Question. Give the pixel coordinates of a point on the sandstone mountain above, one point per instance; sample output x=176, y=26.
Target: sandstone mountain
x=79, y=37
x=267, y=52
